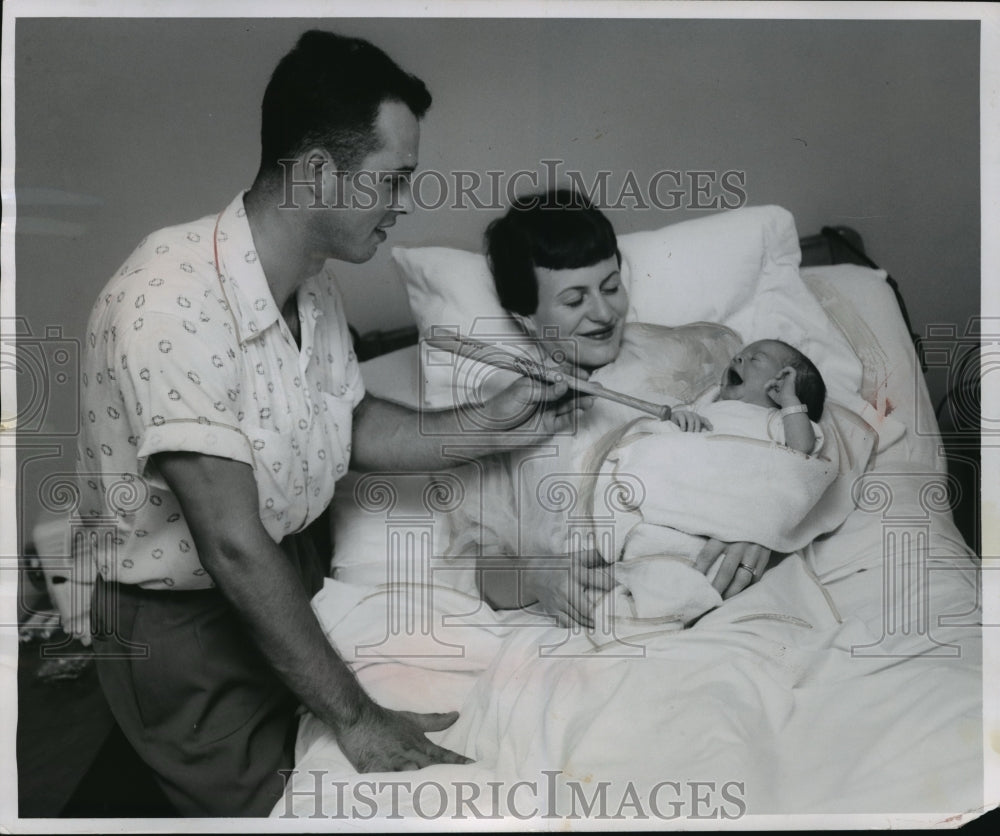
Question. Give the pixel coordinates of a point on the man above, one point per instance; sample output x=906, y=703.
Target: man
x=221, y=387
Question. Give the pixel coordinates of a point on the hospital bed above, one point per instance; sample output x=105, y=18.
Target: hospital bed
x=844, y=688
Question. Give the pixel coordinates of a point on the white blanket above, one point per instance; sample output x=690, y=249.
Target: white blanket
x=729, y=487
x=778, y=695
x=857, y=703
x=636, y=489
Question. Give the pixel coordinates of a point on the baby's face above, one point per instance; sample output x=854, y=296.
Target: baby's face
x=747, y=374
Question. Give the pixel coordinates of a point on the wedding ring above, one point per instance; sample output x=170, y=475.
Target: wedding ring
x=748, y=568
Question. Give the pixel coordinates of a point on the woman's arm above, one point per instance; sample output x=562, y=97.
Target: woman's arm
x=568, y=592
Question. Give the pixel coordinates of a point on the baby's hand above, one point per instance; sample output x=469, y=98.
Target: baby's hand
x=688, y=421
x=781, y=388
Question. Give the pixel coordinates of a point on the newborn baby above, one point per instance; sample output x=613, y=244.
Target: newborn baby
x=772, y=375
x=768, y=393
x=643, y=490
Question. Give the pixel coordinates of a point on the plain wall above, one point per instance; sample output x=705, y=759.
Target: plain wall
x=124, y=126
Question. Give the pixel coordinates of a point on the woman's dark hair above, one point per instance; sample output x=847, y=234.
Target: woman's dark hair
x=327, y=92
x=809, y=385
x=559, y=230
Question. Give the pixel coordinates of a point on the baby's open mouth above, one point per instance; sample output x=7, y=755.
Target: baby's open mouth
x=733, y=377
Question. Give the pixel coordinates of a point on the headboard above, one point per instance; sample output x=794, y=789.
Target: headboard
x=843, y=245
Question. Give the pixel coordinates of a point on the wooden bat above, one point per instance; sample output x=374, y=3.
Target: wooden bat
x=494, y=355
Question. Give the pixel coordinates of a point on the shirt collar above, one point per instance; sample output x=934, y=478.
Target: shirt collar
x=243, y=281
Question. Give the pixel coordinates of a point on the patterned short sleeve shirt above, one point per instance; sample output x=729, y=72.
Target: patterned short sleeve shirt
x=186, y=350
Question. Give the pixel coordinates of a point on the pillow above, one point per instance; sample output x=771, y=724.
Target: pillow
x=863, y=307
x=451, y=292
x=708, y=268
x=736, y=268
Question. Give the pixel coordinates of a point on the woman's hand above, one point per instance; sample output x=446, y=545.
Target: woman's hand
x=742, y=564
x=570, y=598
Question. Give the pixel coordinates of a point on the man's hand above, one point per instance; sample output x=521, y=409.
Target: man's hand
x=742, y=564
x=519, y=402
x=570, y=593
x=689, y=422
x=219, y=500
x=383, y=740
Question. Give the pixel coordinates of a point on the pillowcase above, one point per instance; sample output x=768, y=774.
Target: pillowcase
x=896, y=401
x=737, y=268
x=451, y=293
x=709, y=268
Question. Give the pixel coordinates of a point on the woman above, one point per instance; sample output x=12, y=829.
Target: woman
x=556, y=266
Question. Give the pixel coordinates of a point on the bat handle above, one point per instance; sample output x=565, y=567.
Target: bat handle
x=661, y=411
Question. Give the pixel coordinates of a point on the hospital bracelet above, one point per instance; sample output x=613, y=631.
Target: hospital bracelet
x=794, y=410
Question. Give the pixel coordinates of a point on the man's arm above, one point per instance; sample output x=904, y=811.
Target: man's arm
x=388, y=436
x=219, y=499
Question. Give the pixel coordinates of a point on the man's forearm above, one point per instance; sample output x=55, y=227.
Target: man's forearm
x=388, y=436
x=256, y=578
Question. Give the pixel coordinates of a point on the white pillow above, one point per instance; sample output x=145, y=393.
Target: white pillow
x=862, y=305
x=736, y=268
x=707, y=269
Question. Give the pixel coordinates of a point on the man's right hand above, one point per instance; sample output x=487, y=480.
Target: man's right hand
x=514, y=406
x=383, y=740
x=219, y=500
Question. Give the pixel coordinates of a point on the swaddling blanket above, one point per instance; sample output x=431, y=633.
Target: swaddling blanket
x=635, y=487
x=715, y=483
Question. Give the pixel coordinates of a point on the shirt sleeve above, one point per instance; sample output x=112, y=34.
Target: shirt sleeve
x=182, y=390
x=352, y=369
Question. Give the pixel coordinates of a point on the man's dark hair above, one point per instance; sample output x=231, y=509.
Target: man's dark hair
x=809, y=385
x=559, y=230
x=327, y=92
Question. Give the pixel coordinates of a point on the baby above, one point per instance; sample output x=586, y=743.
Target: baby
x=768, y=374
x=768, y=393
x=657, y=489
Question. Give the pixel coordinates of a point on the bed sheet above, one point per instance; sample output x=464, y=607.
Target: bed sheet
x=847, y=683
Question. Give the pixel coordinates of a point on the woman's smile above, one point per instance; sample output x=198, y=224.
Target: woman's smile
x=600, y=334
x=584, y=307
